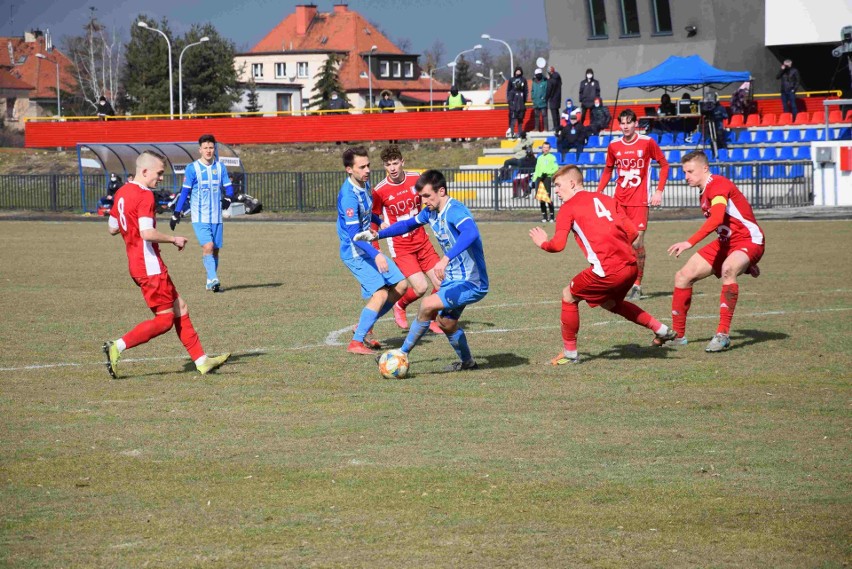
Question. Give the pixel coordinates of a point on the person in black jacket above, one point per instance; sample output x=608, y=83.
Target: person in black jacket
x=590, y=90
x=104, y=109
x=573, y=136
x=789, y=77
x=516, y=95
x=554, y=96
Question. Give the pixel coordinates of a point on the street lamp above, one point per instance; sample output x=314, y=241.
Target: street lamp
x=490, y=84
x=370, y=75
x=180, y=74
x=456, y=58
x=56, y=64
x=171, y=83
x=511, y=57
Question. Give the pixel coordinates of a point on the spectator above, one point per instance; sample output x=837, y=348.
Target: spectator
x=566, y=114
x=601, y=118
x=519, y=154
x=573, y=136
x=456, y=101
x=516, y=95
x=739, y=100
x=590, y=90
x=545, y=168
x=716, y=114
x=789, y=77
x=539, y=97
x=554, y=96
x=104, y=109
x=688, y=125
x=337, y=103
x=386, y=105
x=114, y=184
x=667, y=108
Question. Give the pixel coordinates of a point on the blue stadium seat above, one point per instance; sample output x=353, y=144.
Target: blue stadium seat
x=769, y=153
x=785, y=153
x=552, y=141
x=797, y=171
x=773, y=171
x=676, y=174
x=597, y=158
x=758, y=136
x=585, y=157
x=776, y=136
x=597, y=141
x=741, y=171
x=736, y=155
x=592, y=175
x=697, y=137
x=752, y=154
x=723, y=155
x=655, y=174
x=840, y=133
x=673, y=155
x=802, y=152
x=811, y=134
x=716, y=169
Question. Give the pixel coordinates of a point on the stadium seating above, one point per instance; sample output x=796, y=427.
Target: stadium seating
x=769, y=153
x=785, y=153
x=769, y=119
x=803, y=119
x=784, y=119
x=736, y=121
x=802, y=152
x=752, y=154
x=753, y=120
x=759, y=136
x=736, y=155
x=835, y=116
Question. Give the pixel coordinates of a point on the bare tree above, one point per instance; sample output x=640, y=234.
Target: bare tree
x=97, y=61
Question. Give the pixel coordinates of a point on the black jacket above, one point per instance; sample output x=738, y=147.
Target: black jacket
x=516, y=96
x=554, y=90
x=589, y=90
x=789, y=77
x=573, y=134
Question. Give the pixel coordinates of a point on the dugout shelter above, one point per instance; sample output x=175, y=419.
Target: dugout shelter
x=97, y=161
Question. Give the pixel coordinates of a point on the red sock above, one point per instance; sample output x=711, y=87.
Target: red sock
x=407, y=298
x=681, y=299
x=635, y=314
x=640, y=264
x=727, y=304
x=570, y=325
x=148, y=330
x=188, y=337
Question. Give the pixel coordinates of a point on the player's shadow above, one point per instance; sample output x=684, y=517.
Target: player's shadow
x=494, y=361
x=247, y=286
x=630, y=352
x=743, y=338
x=658, y=294
x=234, y=359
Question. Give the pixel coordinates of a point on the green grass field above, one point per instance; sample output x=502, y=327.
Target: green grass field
x=296, y=453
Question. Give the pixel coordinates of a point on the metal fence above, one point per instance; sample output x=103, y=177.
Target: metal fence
x=765, y=184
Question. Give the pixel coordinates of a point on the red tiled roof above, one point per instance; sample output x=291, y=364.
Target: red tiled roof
x=342, y=30
x=39, y=74
x=9, y=81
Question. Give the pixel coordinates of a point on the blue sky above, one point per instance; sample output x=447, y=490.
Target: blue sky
x=457, y=23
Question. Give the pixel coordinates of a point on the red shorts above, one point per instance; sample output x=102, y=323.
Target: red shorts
x=159, y=291
x=422, y=260
x=717, y=251
x=596, y=290
x=638, y=214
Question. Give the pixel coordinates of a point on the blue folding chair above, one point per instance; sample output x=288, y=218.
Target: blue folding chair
x=770, y=153
x=811, y=134
x=786, y=153
x=736, y=155
x=758, y=136
x=752, y=155
x=803, y=152
x=722, y=156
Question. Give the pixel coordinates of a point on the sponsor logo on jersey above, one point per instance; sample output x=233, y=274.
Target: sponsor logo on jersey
x=639, y=153
x=350, y=212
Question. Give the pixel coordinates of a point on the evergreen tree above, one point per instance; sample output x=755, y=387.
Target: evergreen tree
x=464, y=78
x=252, y=105
x=210, y=82
x=327, y=80
x=145, y=75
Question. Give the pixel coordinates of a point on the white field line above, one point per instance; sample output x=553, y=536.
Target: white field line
x=332, y=340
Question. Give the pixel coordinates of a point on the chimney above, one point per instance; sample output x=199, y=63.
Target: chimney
x=304, y=16
x=341, y=8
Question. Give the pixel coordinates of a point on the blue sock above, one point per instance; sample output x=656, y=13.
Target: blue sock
x=216, y=262
x=415, y=332
x=365, y=322
x=458, y=341
x=209, y=266
x=385, y=309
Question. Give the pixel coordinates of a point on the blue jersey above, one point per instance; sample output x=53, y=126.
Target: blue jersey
x=469, y=265
x=354, y=207
x=202, y=185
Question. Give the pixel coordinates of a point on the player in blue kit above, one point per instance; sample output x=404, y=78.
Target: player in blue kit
x=204, y=181
x=381, y=281
x=464, y=279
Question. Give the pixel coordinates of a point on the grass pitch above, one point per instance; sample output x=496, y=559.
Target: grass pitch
x=297, y=454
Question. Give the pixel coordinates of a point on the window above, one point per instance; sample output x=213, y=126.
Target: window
x=10, y=108
x=384, y=69
x=280, y=70
x=597, y=19
x=283, y=102
x=409, y=69
x=662, y=17
x=257, y=70
x=397, y=69
x=629, y=18
x=302, y=69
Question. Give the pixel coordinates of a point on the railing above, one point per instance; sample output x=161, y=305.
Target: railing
x=765, y=184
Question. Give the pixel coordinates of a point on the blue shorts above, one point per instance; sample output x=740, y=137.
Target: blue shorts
x=208, y=233
x=368, y=274
x=455, y=295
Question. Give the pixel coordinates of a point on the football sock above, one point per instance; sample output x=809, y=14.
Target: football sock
x=209, y=265
x=385, y=309
x=415, y=332
x=407, y=298
x=635, y=314
x=640, y=263
x=120, y=345
x=148, y=330
x=681, y=299
x=365, y=323
x=458, y=341
x=727, y=304
x=188, y=337
x=216, y=263
x=570, y=325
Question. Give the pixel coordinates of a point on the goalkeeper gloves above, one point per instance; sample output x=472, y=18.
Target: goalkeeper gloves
x=365, y=236
x=226, y=202
x=175, y=219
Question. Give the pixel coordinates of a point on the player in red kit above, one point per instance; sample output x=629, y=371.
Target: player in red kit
x=605, y=235
x=737, y=250
x=396, y=199
x=631, y=155
x=132, y=216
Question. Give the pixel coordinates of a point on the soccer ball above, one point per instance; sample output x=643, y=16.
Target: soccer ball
x=393, y=364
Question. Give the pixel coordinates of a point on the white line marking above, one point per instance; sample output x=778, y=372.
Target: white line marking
x=336, y=334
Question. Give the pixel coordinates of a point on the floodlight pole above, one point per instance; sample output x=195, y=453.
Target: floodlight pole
x=171, y=82
x=180, y=74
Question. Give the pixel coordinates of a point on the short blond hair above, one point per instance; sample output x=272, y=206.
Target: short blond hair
x=571, y=171
x=696, y=155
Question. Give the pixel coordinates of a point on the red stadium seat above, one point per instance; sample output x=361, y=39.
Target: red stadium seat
x=784, y=119
x=835, y=116
x=817, y=117
x=769, y=119
x=848, y=116
x=736, y=121
x=753, y=120
x=802, y=118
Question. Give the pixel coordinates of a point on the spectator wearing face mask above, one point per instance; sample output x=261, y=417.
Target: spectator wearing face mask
x=554, y=96
x=516, y=94
x=601, y=118
x=539, y=98
x=590, y=90
x=566, y=114
x=337, y=103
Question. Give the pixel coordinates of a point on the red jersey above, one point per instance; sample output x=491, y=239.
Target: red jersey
x=395, y=202
x=739, y=223
x=133, y=211
x=631, y=161
x=603, y=234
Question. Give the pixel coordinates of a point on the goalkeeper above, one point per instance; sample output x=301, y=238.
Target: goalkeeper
x=203, y=183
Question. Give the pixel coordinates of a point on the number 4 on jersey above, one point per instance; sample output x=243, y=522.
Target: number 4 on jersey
x=601, y=210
